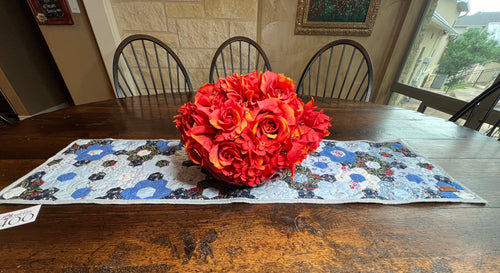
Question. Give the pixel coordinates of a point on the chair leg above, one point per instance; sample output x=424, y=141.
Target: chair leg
x=4, y=118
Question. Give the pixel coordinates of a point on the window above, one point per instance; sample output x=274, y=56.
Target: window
x=439, y=61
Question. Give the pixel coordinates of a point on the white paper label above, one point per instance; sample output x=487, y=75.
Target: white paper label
x=19, y=217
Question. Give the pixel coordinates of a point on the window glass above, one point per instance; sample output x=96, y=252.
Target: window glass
x=455, y=52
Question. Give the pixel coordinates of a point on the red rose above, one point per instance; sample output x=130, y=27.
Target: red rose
x=185, y=120
x=205, y=95
x=278, y=86
x=196, y=152
x=225, y=154
x=229, y=88
x=272, y=125
x=229, y=118
x=251, y=82
x=314, y=119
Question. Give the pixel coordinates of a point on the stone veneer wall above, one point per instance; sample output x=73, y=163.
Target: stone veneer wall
x=193, y=29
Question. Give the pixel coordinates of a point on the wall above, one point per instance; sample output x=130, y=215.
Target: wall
x=193, y=29
x=77, y=56
x=28, y=75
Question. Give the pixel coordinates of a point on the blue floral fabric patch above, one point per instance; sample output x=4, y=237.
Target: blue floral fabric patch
x=159, y=171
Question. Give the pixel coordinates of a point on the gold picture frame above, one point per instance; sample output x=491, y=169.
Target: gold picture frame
x=341, y=17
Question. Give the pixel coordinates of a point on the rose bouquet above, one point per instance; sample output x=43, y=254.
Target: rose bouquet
x=246, y=128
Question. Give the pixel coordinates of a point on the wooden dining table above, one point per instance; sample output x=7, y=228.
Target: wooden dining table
x=241, y=237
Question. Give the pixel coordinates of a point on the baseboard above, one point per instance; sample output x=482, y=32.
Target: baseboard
x=51, y=109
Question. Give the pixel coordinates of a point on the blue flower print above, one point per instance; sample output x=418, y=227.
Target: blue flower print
x=66, y=176
x=169, y=147
x=94, y=152
x=414, y=178
x=322, y=165
x=163, y=145
x=81, y=193
x=357, y=177
x=338, y=154
x=147, y=189
x=396, y=145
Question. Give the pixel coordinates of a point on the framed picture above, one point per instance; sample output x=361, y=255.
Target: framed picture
x=336, y=17
x=51, y=12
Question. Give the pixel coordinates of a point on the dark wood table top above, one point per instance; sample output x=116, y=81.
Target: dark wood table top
x=419, y=237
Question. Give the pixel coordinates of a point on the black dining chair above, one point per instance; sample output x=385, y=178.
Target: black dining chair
x=5, y=119
x=240, y=55
x=478, y=110
x=494, y=130
x=144, y=65
x=341, y=69
x=7, y=113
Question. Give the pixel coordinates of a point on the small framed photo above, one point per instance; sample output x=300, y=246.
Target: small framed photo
x=51, y=12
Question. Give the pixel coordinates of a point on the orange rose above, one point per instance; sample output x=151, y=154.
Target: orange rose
x=196, y=152
x=225, y=155
x=205, y=95
x=230, y=118
x=272, y=121
x=278, y=86
x=315, y=119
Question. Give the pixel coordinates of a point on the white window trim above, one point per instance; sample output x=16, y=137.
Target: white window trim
x=105, y=30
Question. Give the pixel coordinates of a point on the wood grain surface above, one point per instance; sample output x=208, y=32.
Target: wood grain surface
x=421, y=237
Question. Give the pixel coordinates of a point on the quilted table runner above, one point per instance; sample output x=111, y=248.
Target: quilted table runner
x=116, y=171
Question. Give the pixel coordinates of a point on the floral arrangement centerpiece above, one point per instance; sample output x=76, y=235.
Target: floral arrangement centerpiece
x=246, y=128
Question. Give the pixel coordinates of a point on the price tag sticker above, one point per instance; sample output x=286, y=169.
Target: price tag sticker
x=19, y=217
